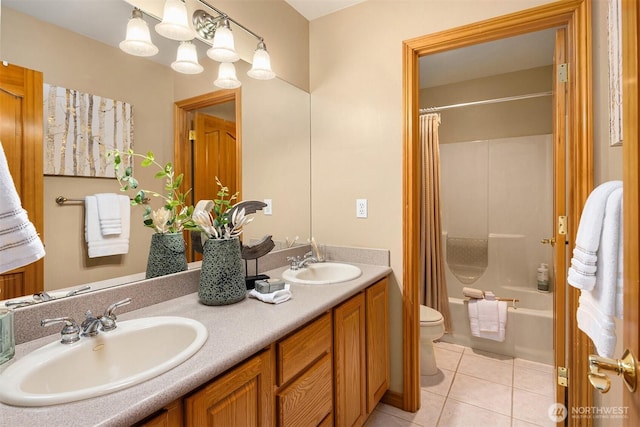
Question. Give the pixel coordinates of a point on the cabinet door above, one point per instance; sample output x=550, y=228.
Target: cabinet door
x=377, y=299
x=349, y=362
x=242, y=397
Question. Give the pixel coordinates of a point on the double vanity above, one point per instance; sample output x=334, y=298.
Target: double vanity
x=318, y=359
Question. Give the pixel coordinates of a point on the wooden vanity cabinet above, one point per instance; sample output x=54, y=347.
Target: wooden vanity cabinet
x=361, y=354
x=331, y=371
x=241, y=397
x=304, y=373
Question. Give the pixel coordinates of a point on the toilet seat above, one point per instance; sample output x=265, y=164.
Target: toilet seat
x=430, y=316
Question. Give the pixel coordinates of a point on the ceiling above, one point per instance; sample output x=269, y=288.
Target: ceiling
x=312, y=9
x=516, y=53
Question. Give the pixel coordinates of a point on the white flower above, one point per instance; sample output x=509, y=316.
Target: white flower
x=160, y=218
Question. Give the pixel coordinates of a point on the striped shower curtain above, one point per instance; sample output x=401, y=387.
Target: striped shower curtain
x=433, y=285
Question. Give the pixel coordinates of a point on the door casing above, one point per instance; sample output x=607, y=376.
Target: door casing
x=575, y=15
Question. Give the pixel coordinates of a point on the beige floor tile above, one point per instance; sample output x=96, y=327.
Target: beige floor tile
x=449, y=346
x=534, y=381
x=428, y=414
x=382, y=419
x=492, y=356
x=519, y=423
x=532, y=407
x=493, y=370
x=529, y=364
x=482, y=393
x=459, y=414
x=439, y=383
x=447, y=359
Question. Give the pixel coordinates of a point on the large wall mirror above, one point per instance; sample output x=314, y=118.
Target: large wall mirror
x=275, y=131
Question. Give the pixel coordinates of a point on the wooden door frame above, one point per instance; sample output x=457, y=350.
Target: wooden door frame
x=181, y=143
x=631, y=193
x=576, y=16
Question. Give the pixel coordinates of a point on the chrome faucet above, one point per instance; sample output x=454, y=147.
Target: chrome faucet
x=108, y=319
x=70, y=332
x=91, y=326
x=297, y=262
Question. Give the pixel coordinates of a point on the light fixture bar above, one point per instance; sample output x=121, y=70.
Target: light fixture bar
x=224, y=15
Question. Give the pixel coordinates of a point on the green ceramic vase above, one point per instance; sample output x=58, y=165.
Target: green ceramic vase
x=221, y=277
x=166, y=255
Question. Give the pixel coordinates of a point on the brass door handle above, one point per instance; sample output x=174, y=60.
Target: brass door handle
x=551, y=241
x=626, y=367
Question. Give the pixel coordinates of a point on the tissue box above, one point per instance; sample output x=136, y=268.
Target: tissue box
x=269, y=285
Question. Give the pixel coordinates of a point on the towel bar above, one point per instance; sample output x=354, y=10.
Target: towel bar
x=513, y=301
x=61, y=200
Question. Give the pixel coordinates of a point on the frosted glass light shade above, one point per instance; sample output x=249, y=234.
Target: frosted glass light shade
x=261, y=68
x=223, y=49
x=187, y=59
x=138, y=40
x=227, y=76
x=175, y=22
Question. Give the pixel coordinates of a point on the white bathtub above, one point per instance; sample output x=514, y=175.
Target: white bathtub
x=529, y=333
x=511, y=273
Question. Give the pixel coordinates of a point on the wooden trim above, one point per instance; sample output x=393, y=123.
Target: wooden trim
x=576, y=15
x=181, y=146
x=631, y=194
x=560, y=206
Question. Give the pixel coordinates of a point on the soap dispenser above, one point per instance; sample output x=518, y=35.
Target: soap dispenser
x=543, y=277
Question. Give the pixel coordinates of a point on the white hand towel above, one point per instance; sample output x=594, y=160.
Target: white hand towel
x=99, y=245
x=19, y=241
x=598, y=306
x=474, y=314
x=488, y=318
x=109, y=214
x=276, y=297
x=589, y=233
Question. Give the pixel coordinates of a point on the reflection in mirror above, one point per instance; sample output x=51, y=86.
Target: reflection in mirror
x=275, y=139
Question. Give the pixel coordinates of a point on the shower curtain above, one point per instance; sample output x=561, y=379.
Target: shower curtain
x=433, y=285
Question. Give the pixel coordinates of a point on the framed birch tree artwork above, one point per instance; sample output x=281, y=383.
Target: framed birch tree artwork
x=80, y=129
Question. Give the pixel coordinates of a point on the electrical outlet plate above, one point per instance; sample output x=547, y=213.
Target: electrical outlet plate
x=268, y=210
x=361, y=208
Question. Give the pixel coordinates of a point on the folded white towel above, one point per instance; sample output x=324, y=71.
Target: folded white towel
x=488, y=318
x=99, y=245
x=109, y=214
x=472, y=292
x=276, y=297
x=589, y=234
x=19, y=241
x=473, y=309
x=602, y=302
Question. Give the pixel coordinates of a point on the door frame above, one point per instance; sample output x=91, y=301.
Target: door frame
x=182, y=144
x=576, y=16
x=631, y=193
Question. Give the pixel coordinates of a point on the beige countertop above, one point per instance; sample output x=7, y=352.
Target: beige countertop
x=236, y=332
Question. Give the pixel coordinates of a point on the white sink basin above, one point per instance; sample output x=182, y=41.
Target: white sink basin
x=322, y=273
x=137, y=350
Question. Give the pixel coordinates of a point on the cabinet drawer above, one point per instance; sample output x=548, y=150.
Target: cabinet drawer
x=309, y=399
x=301, y=349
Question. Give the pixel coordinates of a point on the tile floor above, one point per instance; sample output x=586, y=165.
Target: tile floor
x=474, y=388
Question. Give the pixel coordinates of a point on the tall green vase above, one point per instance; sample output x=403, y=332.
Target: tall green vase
x=221, y=277
x=166, y=255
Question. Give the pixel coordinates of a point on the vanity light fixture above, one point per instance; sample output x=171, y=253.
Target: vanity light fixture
x=175, y=22
x=214, y=30
x=187, y=59
x=138, y=40
x=227, y=76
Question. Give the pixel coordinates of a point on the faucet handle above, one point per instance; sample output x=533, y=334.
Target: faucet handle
x=70, y=332
x=108, y=319
x=293, y=260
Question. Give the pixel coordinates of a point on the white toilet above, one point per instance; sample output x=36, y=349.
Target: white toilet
x=431, y=328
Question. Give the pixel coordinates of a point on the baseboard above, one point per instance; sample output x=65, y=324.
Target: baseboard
x=393, y=398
